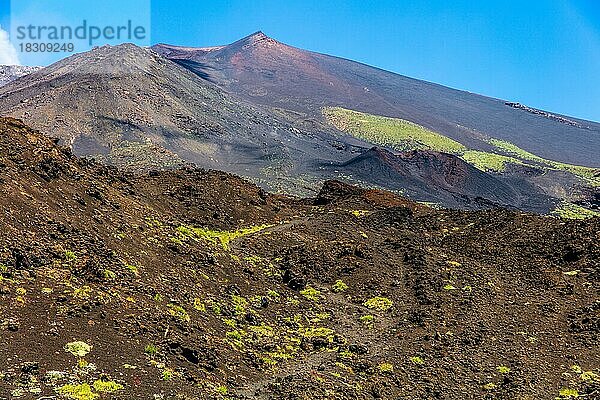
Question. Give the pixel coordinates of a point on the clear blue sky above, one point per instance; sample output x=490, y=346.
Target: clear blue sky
x=542, y=53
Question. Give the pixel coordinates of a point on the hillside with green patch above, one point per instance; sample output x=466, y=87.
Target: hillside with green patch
x=404, y=135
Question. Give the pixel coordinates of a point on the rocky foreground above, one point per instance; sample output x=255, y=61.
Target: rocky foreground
x=198, y=285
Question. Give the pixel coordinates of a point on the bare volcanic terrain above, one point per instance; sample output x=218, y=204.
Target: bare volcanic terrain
x=266, y=71
x=9, y=73
x=135, y=109
x=195, y=284
x=443, y=179
x=130, y=107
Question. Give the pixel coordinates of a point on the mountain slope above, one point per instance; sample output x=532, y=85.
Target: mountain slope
x=129, y=106
x=9, y=73
x=269, y=72
x=193, y=284
x=442, y=179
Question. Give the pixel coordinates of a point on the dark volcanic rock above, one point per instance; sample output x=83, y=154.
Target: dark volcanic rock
x=196, y=284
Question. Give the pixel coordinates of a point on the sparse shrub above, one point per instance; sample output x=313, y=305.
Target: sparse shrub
x=83, y=292
x=70, y=256
x=109, y=275
x=311, y=293
x=386, y=367
x=417, y=360
x=107, y=386
x=312, y=332
x=167, y=374
x=367, y=319
x=199, y=305
x=179, y=313
x=235, y=335
x=230, y=322
x=503, y=369
x=262, y=330
x=379, y=303
x=221, y=389
x=589, y=376
x=78, y=348
x=239, y=304
x=78, y=392
x=567, y=393
x=132, y=268
x=151, y=349
x=339, y=286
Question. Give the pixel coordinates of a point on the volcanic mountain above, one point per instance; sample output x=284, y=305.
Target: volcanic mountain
x=269, y=72
x=133, y=108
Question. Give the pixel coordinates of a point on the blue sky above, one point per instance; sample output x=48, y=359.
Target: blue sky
x=545, y=54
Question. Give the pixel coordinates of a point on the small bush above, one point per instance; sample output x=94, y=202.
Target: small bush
x=311, y=294
x=179, y=313
x=386, y=367
x=78, y=348
x=151, y=350
x=339, y=287
x=417, y=360
x=379, y=303
x=503, y=369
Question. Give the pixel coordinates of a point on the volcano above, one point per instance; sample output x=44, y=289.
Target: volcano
x=261, y=109
x=266, y=71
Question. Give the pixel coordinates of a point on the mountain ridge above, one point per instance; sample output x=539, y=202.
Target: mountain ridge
x=136, y=109
x=374, y=90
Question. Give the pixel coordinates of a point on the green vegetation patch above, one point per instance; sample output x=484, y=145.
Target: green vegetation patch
x=311, y=293
x=78, y=392
x=417, y=360
x=404, y=135
x=78, y=348
x=567, y=393
x=178, y=312
x=379, y=303
x=588, y=174
x=568, y=210
x=224, y=238
x=503, y=369
x=151, y=350
x=396, y=133
x=107, y=386
x=386, y=367
x=489, y=162
x=339, y=286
